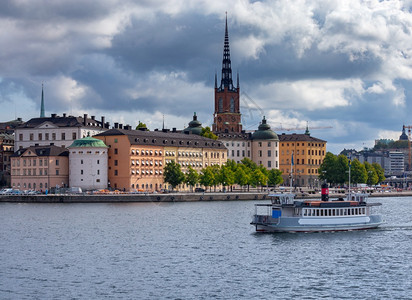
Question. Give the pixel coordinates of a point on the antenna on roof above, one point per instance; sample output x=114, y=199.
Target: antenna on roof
x=163, y=127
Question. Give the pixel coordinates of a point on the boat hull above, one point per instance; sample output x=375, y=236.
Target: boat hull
x=296, y=224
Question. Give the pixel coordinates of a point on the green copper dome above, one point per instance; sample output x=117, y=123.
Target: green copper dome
x=88, y=142
x=194, y=126
x=264, y=132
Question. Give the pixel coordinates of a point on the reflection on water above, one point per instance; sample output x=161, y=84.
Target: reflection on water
x=200, y=250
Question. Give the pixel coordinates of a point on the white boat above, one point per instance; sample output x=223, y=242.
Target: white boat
x=285, y=214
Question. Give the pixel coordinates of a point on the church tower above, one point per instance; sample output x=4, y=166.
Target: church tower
x=227, y=117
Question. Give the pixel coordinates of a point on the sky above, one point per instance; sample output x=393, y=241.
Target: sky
x=342, y=67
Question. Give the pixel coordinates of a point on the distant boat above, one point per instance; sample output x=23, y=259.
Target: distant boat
x=285, y=214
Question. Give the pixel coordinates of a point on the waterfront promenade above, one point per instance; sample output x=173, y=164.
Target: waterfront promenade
x=174, y=197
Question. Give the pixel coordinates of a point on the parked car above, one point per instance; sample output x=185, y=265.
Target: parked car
x=199, y=190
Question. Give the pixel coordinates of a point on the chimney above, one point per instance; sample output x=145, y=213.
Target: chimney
x=53, y=115
x=107, y=125
x=120, y=126
x=116, y=125
x=19, y=119
x=64, y=115
x=93, y=117
x=102, y=121
x=174, y=129
x=85, y=120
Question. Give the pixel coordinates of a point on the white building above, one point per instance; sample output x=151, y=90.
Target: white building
x=56, y=130
x=88, y=164
x=394, y=163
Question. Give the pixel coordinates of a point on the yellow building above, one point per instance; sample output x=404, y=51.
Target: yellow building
x=308, y=154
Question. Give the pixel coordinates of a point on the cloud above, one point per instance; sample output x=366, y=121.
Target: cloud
x=346, y=63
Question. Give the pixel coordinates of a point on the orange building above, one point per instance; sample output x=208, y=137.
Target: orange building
x=137, y=157
x=308, y=154
x=40, y=168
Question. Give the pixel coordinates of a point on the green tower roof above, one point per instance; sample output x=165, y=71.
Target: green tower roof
x=264, y=132
x=88, y=142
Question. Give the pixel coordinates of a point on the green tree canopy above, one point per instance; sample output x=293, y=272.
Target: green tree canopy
x=192, y=177
x=379, y=171
x=172, y=174
x=358, y=172
x=206, y=177
x=275, y=177
x=372, y=176
x=206, y=132
x=141, y=125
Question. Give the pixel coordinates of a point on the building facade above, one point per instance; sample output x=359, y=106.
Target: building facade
x=56, y=130
x=40, y=168
x=300, y=158
x=88, y=164
x=6, y=151
x=137, y=157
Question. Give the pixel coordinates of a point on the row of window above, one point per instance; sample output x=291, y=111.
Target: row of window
x=147, y=162
x=31, y=162
x=29, y=172
x=302, y=152
x=331, y=212
x=303, y=145
x=146, y=172
x=302, y=161
x=300, y=172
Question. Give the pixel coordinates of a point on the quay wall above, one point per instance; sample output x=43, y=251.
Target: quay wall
x=177, y=197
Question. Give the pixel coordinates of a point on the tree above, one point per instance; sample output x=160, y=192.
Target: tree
x=327, y=168
x=358, y=172
x=275, y=177
x=217, y=176
x=172, y=174
x=206, y=132
x=249, y=163
x=192, y=177
x=242, y=176
x=372, y=176
x=206, y=177
x=258, y=178
x=141, y=126
x=379, y=171
x=227, y=176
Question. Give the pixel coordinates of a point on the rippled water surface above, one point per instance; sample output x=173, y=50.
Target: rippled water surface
x=201, y=250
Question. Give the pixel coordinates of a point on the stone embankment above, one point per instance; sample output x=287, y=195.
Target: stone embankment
x=177, y=197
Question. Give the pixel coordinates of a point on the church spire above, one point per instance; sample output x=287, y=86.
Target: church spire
x=226, y=63
x=42, y=115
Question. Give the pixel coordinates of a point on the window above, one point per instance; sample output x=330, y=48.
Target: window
x=31, y=136
x=81, y=161
x=98, y=172
x=73, y=135
x=53, y=136
x=115, y=151
x=98, y=161
x=269, y=153
x=238, y=153
x=57, y=172
x=20, y=137
x=57, y=162
x=115, y=140
x=63, y=136
x=46, y=136
x=220, y=105
x=115, y=162
x=269, y=164
x=40, y=136
x=269, y=144
x=260, y=144
x=260, y=153
x=34, y=162
x=232, y=105
x=81, y=172
x=115, y=173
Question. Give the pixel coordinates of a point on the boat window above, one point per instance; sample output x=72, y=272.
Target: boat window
x=305, y=213
x=317, y=212
x=356, y=211
x=345, y=211
x=333, y=212
x=321, y=212
x=363, y=210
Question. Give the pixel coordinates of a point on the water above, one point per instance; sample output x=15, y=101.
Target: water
x=201, y=250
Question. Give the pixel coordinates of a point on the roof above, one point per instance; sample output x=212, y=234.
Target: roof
x=165, y=139
x=62, y=121
x=88, y=142
x=195, y=126
x=264, y=132
x=43, y=151
x=295, y=137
